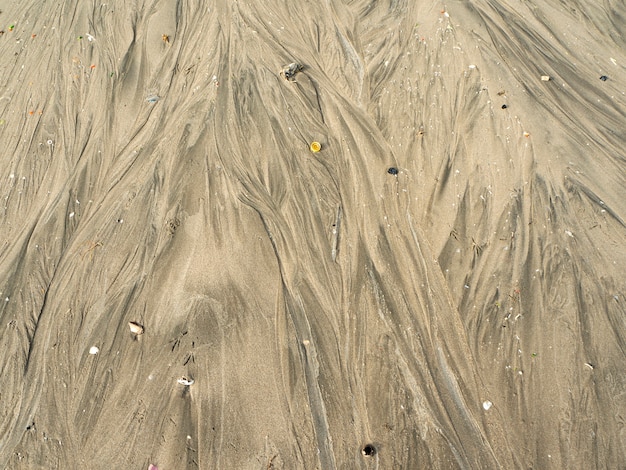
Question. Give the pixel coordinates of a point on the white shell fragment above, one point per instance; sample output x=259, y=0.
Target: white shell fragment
x=487, y=404
x=135, y=328
x=545, y=78
x=94, y=350
x=185, y=381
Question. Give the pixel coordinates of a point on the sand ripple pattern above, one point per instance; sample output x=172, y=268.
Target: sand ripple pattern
x=156, y=169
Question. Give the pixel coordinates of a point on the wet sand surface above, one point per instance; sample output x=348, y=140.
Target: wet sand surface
x=313, y=310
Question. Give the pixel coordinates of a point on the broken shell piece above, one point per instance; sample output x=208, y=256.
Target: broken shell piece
x=487, y=404
x=185, y=381
x=135, y=328
x=545, y=78
x=94, y=350
x=289, y=71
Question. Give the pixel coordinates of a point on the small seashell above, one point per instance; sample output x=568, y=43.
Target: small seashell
x=185, y=381
x=487, y=404
x=135, y=328
x=289, y=71
x=94, y=350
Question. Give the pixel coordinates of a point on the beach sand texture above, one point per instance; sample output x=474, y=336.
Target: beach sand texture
x=325, y=311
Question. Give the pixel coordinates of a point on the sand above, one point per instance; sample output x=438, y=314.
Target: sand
x=305, y=310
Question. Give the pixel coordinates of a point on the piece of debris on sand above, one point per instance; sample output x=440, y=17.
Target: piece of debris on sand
x=289, y=71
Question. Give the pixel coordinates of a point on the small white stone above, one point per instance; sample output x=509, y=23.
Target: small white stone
x=487, y=404
x=94, y=350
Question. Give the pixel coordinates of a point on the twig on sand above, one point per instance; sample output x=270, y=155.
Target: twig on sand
x=92, y=247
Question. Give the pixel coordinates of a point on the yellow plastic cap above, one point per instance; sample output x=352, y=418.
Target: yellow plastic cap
x=316, y=147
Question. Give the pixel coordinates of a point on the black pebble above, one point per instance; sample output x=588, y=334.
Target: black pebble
x=392, y=171
x=504, y=106
x=604, y=78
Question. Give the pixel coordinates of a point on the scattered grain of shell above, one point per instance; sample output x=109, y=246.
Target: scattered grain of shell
x=185, y=381
x=135, y=328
